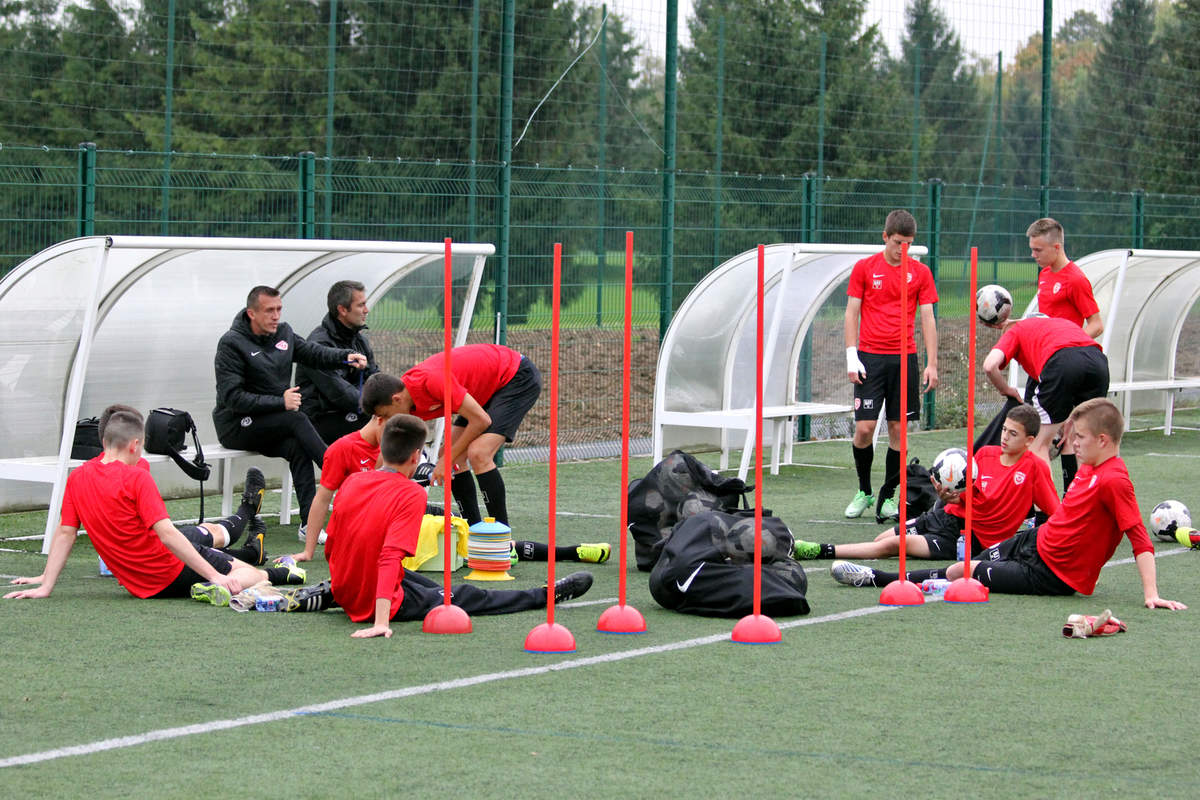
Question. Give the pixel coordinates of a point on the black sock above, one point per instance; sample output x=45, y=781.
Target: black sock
x=235, y=524
x=1070, y=465
x=248, y=552
x=279, y=575
x=537, y=551
x=827, y=551
x=863, y=456
x=462, y=486
x=491, y=485
x=891, y=474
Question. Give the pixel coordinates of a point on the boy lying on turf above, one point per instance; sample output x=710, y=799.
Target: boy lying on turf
x=116, y=501
x=1066, y=553
x=375, y=524
x=1009, y=478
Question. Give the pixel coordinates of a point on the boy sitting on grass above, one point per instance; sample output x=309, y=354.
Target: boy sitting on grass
x=1066, y=553
x=1008, y=479
x=118, y=504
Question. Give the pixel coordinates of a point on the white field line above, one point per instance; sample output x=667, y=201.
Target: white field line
x=1175, y=455
x=164, y=734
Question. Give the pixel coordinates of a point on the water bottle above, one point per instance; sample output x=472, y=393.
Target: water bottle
x=961, y=547
x=105, y=572
x=934, y=586
x=268, y=603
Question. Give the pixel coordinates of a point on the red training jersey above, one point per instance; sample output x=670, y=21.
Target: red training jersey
x=877, y=284
x=347, y=455
x=1081, y=537
x=475, y=369
x=1032, y=341
x=118, y=505
x=1003, y=494
x=375, y=524
x=1066, y=294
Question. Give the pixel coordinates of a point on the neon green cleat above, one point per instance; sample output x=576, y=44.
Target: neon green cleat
x=296, y=575
x=211, y=593
x=861, y=502
x=888, y=511
x=805, y=550
x=594, y=553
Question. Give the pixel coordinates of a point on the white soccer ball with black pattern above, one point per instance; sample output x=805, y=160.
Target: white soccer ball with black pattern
x=1167, y=516
x=993, y=304
x=949, y=469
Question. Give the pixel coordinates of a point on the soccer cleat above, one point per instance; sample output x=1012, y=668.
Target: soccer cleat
x=574, y=585
x=512, y=554
x=888, y=510
x=1188, y=537
x=256, y=486
x=861, y=502
x=806, y=550
x=304, y=531
x=594, y=553
x=211, y=593
x=296, y=575
x=255, y=546
x=307, y=598
x=848, y=573
x=283, y=561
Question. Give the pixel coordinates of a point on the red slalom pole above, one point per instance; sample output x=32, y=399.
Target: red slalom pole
x=903, y=592
x=966, y=589
x=447, y=618
x=623, y=618
x=550, y=637
x=758, y=628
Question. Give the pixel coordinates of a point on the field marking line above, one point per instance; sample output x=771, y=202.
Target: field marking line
x=164, y=734
x=1174, y=455
x=582, y=514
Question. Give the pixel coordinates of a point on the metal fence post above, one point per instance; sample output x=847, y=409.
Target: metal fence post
x=667, y=269
x=935, y=245
x=601, y=191
x=307, y=200
x=1139, y=218
x=86, y=198
x=719, y=141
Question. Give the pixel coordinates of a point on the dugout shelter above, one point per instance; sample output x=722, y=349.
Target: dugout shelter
x=1145, y=299
x=136, y=319
x=704, y=391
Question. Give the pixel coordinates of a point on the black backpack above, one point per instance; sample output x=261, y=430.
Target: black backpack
x=921, y=494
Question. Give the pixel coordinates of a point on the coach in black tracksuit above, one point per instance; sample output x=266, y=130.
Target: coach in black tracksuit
x=330, y=397
x=257, y=408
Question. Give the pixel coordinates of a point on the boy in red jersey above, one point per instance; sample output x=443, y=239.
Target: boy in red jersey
x=1008, y=479
x=1065, y=554
x=1063, y=290
x=359, y=452
x=873, y=323
x=375, y=525
x=126, y=520
x=492, y=388
x=1067, y=364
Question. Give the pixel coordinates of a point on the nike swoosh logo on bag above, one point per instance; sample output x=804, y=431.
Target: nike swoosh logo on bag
x=256, y=352
x=683, y=587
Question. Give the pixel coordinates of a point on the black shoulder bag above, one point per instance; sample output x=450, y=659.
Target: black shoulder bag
x=165, y=432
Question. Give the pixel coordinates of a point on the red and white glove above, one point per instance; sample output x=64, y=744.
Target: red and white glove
x=1080, y=626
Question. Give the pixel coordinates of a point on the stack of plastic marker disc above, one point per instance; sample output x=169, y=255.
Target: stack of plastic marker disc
x=488, y=547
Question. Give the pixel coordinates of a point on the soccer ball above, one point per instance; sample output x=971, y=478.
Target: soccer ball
x=993, y=304
x=950, y=469
x=1167, y=516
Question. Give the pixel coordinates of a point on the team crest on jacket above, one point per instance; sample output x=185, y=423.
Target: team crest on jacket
x=281, y=345
x=352, y=417
x=247, y=422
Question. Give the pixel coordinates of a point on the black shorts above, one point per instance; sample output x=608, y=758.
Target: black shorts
x=882, y=384
x=1014, y=567
x=1069, y=377
x=512, y=401
x=940, y=530
x=221, y=561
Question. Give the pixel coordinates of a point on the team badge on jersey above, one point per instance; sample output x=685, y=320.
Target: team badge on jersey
x=876, y=281
x=1057, y=287
x=1019, y=478
x=281, y=345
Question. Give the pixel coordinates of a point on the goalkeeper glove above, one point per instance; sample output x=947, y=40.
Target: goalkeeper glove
x=853, y=363
x=1188, y=537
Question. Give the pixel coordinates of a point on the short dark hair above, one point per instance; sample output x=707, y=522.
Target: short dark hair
x=378, y=390
x=107, y=413
x=121, y=428
x=260, y=291
x=402, y=436
x=1100, y=415
x=901, y=222
x=1027, y=417
x=342, y=294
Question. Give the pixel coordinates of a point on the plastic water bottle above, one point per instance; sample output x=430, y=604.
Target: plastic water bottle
x=934, y=586
x=961, y=547
x=268, y=603
x=105, y=572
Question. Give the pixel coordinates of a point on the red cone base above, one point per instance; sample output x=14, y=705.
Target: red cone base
x=756, y=629
x=901, y=593
x=446, y=619
x=966, y=590
x=548, y=638
x=621, y=619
